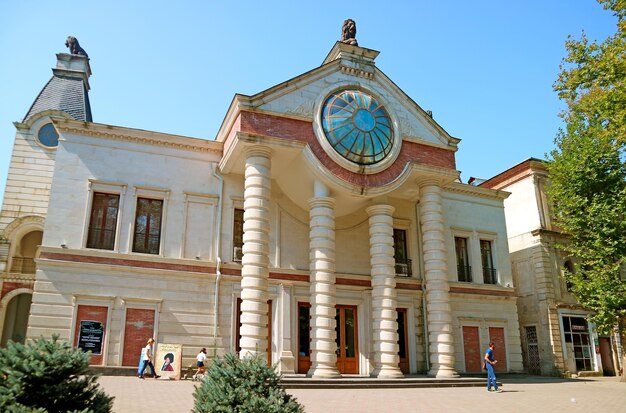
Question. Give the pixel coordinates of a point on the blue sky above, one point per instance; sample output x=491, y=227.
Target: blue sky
x=484, y=68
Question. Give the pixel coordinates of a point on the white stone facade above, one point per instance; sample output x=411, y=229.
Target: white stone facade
x=268, y=247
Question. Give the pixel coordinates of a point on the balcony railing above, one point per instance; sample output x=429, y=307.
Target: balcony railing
x=147, y=243
x=101, y=238
x=404, y=268
x=21, y=265
x=237, y=254
x=490, y=276
x=465, y=273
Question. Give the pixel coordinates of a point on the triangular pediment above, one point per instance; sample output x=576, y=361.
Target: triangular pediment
x=346, y=66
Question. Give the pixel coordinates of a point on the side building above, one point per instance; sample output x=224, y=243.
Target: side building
x=325, y=228
x=557, y=339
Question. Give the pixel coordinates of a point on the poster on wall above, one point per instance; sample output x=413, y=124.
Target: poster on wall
x=90, y=335
x=168, y=360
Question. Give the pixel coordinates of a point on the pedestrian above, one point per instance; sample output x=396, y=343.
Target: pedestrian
x=488, y=364
x=146, y=358
x=201, y=357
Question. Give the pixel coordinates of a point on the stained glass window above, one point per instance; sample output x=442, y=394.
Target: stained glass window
x=357, y=126
x=48, y=136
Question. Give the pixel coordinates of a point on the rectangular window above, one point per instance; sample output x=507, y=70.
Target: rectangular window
x=464, y=270
x=147, y=237
x=103, y=221
x=401, y=253
x=238, y=235
x=489, y=273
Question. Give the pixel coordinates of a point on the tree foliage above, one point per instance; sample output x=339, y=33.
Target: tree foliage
x=48, y=376
x=588, y=170
x=243, y=386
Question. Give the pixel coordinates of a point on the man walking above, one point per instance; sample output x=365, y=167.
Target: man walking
x=491, y=374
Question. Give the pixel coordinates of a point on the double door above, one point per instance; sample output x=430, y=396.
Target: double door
x=347, y=338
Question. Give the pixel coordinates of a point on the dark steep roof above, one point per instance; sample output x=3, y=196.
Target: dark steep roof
x=64, y=93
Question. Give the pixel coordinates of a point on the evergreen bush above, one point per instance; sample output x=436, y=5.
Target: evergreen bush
x=48, y=376
x=244, y=386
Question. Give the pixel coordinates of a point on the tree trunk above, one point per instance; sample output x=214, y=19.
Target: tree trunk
x=622, y=334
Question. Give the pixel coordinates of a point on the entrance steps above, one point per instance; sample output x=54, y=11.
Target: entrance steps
x=363, y=382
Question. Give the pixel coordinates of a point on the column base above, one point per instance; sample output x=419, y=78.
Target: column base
x=323, y=373
x=389, y=373
x=286, y=363
x=441, y=372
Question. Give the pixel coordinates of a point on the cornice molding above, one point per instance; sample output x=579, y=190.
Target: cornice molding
x=168, y=141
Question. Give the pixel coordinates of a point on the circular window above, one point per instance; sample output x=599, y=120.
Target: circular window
x=357, y=126
x=48, y=136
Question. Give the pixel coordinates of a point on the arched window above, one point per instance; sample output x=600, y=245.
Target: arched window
x=569, y=268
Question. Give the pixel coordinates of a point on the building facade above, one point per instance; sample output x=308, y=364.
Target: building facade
x=324, y=228
x=557, y=338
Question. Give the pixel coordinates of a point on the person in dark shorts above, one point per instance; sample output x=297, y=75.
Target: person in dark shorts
x=200, y=358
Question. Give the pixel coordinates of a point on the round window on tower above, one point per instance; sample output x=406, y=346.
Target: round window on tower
x=48, y=136
x=357, y=127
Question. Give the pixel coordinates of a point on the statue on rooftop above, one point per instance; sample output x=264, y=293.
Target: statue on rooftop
x=348, y=32
x=74, y=47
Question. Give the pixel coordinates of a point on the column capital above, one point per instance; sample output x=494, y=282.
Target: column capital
x=380, y=210
x=258, y=150
x=428, y=182
x=322, y=201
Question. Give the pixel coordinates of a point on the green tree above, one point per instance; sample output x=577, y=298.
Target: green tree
x=588, y=171
x=242, y=386
x=48, y=376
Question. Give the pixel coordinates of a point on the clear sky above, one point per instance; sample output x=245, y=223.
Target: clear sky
x=485, y=68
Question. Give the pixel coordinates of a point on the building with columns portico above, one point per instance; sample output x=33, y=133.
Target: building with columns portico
x=325, y=229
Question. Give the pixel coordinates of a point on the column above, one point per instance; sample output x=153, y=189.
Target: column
x=255, y=262
x=287, y=361
x=384, y=314
x=439, y=314
x=322, y=278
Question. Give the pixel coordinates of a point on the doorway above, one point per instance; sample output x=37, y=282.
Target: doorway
x=16, y=319
x=347, y=341
x=403, y=341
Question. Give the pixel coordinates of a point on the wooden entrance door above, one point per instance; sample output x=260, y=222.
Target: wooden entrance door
x=347, y=340
x=403, y=341
x=269, y=330
x=606, y=356
x=304, y=337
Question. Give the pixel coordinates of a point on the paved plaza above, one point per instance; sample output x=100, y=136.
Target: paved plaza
x=521, y=394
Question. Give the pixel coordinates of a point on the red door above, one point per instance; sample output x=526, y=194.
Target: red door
x=91, y=317
x=496, y=334
x=138, y=328
x=472, y=351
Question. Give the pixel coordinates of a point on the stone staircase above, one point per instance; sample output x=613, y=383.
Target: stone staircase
x=360, y=382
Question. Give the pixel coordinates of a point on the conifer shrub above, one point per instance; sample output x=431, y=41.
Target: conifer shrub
x=48, y=376
x=244, y=386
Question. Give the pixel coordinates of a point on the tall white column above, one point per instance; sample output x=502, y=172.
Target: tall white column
x=384, y=314
x=322, y=278
x=255, y=262
x=439, y=314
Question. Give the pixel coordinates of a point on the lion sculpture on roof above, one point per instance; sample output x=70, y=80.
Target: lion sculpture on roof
x=74, y=47
x=348, y=32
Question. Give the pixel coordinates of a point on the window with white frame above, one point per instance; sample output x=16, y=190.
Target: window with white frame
x=401, y=253
x=238, y=235
x=147, y=232
x=103, y=221
x=490, y=275
x=464, y=269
